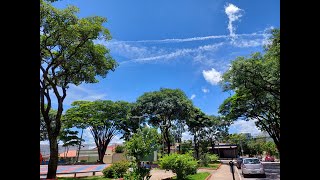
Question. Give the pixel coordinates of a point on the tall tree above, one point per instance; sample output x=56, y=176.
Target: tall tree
x=256, y=85
x=196, y=124
x=215, y=129
x=102, y=117
x=163, y=107
x=131, y=125
x=68, y=55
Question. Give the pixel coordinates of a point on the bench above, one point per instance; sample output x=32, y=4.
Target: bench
x=75, y=173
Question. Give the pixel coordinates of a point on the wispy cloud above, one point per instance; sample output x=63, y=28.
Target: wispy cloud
x=181, y=40
x=241, y=126
x=233, y=13
x=212, y=76
x=192, y=96
x=205, y=90
x=179, y=52
x=82, y=93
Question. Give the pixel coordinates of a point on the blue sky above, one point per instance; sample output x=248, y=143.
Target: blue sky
x=185, y=44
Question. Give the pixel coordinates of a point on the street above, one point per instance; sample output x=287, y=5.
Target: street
x=272, y=170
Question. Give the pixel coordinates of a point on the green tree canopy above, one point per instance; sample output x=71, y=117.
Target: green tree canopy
x=68, y=55
x=102, y=117
x=163, y=107
x=256, y=84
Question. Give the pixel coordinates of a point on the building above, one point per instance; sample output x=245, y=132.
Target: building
x=225, y=150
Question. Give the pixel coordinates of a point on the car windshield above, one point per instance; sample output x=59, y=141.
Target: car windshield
x=251, y=161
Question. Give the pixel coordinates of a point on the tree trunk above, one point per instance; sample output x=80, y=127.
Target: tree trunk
x=168, y=145
x=196, y=147
x=212, y=146
x=53, y=162
x=77, y=159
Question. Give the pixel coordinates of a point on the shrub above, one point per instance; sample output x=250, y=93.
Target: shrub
x=116, y=170
x=138, y=173
x=83, y=160
x=119, y=149
x=181, y=164
x=207, y=158
x=213, y=157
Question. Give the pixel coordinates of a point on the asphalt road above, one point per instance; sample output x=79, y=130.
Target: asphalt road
x=272, y=170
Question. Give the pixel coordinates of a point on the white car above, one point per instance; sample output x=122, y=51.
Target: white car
x=252, y=166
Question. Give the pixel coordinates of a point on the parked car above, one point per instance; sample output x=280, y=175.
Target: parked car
x=239, y=162
x=252, y=166
x=269, y=159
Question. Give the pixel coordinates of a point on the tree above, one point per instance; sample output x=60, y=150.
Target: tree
x=196, y=124
x=256, y=85
x=69, y=138
x=186, y=146
x=141, y=144
x=102, y=117
x=130, y=125
x=43, y=128
x=163, y=107
x=215, y=129
x=68, y=55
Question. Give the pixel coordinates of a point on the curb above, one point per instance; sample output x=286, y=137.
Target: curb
x=208, y=177
x=238, y=173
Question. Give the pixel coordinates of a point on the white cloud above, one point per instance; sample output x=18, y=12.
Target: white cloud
x=212, y=76
x=192, y=96
x=205, y=90
x=174, y=40
x=233, y=13
x=186, y=136
x=241, y=126
x=75, y=93
x=179, y=52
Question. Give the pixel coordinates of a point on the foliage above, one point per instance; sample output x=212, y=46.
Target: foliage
x=206, y=159
x=68, y=55
x=196, y=122
x=103, y=117
x=215, y=130
x=138, y=173
x=270, y=148
x=213, y=157
x=142, y=143
x=163, y=107
x=116, y=170
x=181, y=164
x=198, y=176
x=119, y=149
x=43, y=126
x=186, y=146
x=256, y=84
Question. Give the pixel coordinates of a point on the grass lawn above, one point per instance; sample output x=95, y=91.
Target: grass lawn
x=198, y=176
x=213, y=166
x=85, y=178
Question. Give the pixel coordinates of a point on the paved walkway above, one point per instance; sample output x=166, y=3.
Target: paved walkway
x=223, y=173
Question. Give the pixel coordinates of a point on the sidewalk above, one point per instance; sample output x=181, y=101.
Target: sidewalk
x=223, y=173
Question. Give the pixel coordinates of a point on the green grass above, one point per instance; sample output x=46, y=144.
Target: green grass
x=212, y=166
x=198, y=176
x=85, y=178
